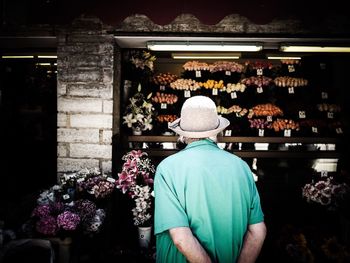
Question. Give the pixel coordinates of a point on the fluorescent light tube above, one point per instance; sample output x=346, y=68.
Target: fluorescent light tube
x=17, y=56
x=202, y=46
x=204, y=56
x=314, y=49
x=46, y=56
x=281, y=58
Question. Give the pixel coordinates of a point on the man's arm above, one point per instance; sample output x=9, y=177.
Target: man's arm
x=188, y=245
x=253, y=241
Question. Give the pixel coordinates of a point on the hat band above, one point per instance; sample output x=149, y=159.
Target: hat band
x=179, y=124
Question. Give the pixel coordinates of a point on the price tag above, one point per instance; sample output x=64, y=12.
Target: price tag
x=302, y=114
x=233, y=95
x=198, y=74
x=80, y=180
x=324, y=173
x=187, y=94
x=110, y=179
x=228, y=133
x=330, y=115
x=322, y=65
x=259, y=90
x=259, y=71
x=287, y=133
x=228, y=73
x=65, y=197
x=339, y=130
x=261, y=132
x=291, y=68
x=163, y=105
x=269, y=118
x=324, y=95
x=314, y=129
x=291, y=90
x=162, y=87
x=215, y=92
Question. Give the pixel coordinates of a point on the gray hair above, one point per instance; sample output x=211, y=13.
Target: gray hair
x=187, y=140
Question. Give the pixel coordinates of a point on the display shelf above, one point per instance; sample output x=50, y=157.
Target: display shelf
x=313, y=154
x=306, y=140
x=259, y=154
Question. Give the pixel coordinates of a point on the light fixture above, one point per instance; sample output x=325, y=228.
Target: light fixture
x=205, y=55
x=47, y=56
x=17, y=56
x=202, y=46
x=282, y=58
x=290, y=48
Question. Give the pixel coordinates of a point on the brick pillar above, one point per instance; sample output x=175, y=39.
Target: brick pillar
x=85, y=96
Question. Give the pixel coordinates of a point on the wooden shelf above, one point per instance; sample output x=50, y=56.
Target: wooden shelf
x=259, y=154
x=326, y=140
x=157, y=152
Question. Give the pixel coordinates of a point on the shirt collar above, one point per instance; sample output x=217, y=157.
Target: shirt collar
x=200, y=143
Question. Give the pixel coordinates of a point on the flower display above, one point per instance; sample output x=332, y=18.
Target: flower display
x=143, y=60
x=139, y=112
x=325, y=192
x=136, y=180
x=70, y=206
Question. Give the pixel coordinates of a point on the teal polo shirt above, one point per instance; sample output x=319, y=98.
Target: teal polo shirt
x=212, y=192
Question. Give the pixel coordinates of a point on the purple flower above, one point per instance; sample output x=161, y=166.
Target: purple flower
x=47, y=226
x=85, y=208
x=68, y=220
x=42, y=211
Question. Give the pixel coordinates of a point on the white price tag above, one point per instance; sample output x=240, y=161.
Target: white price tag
x=228, y=73
x=261, y=132
x=187, y=94
x=233, y=95
x=110, y=179
x=291, y=68
x=287, y=133
x=324, y=95
x=269, y=118
x=291, y=90
x=65, y=197
x=162, y=87
x=215, y=92
x=163, y=106
x=259, y=90
x=259, y=71
x=80, y=180
x=228, y=133
x=339, y=130
x=330, y=115
x=302, y=114
x=314, y=129
x=198, y=74
x=324, y=173
x=322, y=65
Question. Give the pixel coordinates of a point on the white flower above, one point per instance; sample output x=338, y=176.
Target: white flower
x=129, y=120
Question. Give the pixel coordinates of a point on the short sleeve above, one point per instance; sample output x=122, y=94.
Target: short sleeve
x=169, y=212
x=256, y=214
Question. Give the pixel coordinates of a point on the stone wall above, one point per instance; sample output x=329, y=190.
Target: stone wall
x=85, y=63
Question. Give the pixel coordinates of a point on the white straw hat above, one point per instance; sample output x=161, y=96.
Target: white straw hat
x=199, y=119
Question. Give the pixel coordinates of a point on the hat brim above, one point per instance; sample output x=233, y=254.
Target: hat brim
x=175, y=126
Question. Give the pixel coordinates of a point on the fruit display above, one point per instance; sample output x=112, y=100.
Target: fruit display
x=164, y=78
x=251, y=95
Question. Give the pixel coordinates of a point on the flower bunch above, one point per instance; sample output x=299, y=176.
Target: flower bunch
x=90, y=181
x=143, y=59
x=325, y=192
x=136, y=180
x=54, y=215
x=139, y=112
